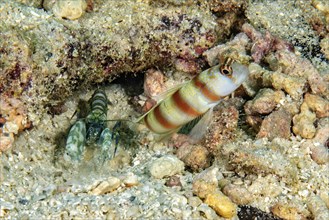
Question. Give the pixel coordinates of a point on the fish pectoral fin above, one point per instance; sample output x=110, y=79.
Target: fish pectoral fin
x=166, y=136
x=196, y=129
x=201, y=127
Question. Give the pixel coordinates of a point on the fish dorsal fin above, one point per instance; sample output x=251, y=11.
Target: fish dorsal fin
x=158, y=98
x=201, y=127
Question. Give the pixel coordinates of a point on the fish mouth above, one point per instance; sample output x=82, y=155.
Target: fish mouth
x=240, y=73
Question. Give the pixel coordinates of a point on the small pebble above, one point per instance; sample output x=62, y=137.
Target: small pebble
x=194, y=201
x=317, y=104
x=264, y=102
x=166, y=166
x=293, y=85
x=109, y=185
x=149, y=103
x=153, y=83
x=304, y=122
x=222, y=205
x=173, y=181
x=238, y=194
x=179, y=200
x=206, y=182
x=130, y=180
x=70, y=9
x=23, y=201
x=319, y=153
x=202, y=188
x=210, y=175
x=195, y=157
x=207, y=211
x=277, y=124
x=6, y=141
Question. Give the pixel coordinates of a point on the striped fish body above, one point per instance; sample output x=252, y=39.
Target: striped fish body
x=195, y=98
x=96, y=119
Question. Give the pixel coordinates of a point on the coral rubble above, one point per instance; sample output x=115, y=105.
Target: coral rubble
x=264, y=155
x=53, y=57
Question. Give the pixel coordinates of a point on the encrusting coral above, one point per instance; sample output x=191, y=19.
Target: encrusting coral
x=52, y=57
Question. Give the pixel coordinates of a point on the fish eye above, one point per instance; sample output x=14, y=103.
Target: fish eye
x=226, y=70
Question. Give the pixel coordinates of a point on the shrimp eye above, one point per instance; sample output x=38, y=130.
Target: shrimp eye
x=226, y=70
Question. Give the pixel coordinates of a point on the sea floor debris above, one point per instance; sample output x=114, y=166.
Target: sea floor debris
x=126, y=188
x=265, y=155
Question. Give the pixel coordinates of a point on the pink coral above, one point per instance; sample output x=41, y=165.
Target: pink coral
x=263, y=44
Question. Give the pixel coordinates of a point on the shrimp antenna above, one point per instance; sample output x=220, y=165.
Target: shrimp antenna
x=120, y=120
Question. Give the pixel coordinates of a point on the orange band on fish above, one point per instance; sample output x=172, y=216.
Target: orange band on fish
x=205, y=91
x=184, y=106
x=162, y=120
